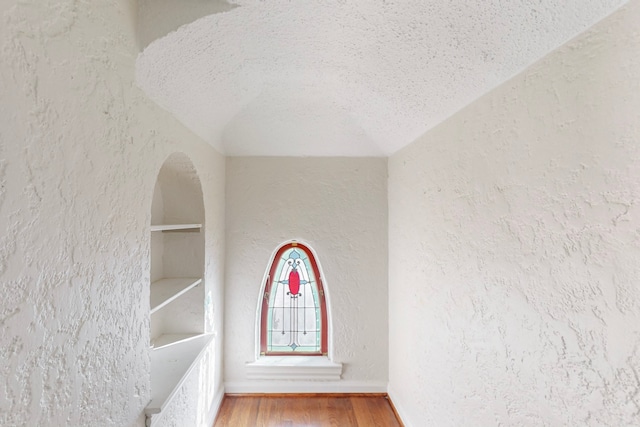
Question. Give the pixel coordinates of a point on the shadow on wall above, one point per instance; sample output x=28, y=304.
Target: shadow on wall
x=157, y=18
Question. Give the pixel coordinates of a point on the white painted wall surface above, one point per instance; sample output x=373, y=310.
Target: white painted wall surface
x=339, y=207
x=514, y=232
x=80, y=150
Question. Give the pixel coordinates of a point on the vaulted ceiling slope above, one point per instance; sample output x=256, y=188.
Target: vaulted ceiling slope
x=340, y=77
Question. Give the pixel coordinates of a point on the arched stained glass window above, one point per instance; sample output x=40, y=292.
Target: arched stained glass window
x=294, y=313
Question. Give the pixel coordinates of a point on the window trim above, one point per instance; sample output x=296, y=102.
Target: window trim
x=263, y=304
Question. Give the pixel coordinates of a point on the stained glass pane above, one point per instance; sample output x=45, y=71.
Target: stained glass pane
x=294, y=316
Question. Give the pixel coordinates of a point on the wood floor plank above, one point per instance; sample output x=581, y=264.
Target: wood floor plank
x=330, y=410
x=375, y=412
x=364, y=416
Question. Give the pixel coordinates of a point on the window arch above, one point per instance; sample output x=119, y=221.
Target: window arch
x=293, y=306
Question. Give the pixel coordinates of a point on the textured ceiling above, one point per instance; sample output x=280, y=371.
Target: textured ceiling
x=340, y=77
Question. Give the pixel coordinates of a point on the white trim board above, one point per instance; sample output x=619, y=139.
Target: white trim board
x=248, y=387
x=402, y=414
x=305, y=368
x=215, y=406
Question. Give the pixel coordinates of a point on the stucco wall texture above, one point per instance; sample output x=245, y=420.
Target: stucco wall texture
x=339, y=207
x=80, y=150
x=513, y=237
x=514, y=240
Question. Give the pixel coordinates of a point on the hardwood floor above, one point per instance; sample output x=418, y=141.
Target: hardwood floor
x=307, y=410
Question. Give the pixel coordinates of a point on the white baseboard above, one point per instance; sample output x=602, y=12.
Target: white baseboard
x=248, y=387
x=398, y=406
x=215, y=406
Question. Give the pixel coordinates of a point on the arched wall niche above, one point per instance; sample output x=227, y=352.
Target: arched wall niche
x=179, y=181
x=177, y=328
x=179, y=253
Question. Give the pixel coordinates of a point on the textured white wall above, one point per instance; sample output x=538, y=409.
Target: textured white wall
x=80, y=150
x=514, y=232
x=339, y=207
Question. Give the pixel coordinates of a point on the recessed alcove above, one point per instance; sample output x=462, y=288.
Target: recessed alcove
x=177, y=333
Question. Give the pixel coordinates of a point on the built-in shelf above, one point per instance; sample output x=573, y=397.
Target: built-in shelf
x=164, y=291
x=176, y=292
x=165, y=340
x=170, y=367
x=176, y=227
